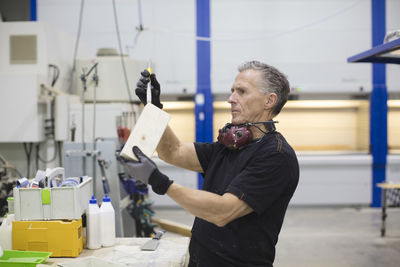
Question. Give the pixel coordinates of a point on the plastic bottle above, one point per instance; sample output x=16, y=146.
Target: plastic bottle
x=93, y=225
x=107, y=222
x=6, y=232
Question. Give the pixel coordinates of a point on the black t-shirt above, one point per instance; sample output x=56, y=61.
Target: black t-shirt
x=264, y=174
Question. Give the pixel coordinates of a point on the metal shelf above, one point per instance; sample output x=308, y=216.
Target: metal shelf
x=385, y=53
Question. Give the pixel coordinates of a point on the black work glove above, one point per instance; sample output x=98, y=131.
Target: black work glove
x=141, y=88
x=146, y=170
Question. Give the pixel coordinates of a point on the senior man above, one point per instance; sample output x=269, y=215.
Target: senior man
x=250, y=173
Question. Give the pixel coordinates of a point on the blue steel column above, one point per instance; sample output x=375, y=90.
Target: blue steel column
x=378, y=104
x=33, y=10
x=203, y=100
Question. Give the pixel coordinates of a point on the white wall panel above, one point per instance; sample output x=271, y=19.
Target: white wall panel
x=308, y=40
x=334, y=180
x=324, y=179
x=393, y=169
x=22, y=116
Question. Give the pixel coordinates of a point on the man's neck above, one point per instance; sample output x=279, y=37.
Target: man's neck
x=259, y=130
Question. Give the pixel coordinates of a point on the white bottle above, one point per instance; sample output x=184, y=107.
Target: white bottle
x=6, y=232
x=93, y=225
x=107, y=223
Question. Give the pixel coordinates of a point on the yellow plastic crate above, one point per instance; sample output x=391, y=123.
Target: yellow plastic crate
x=63, y=238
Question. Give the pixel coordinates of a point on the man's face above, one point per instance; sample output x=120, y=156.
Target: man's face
x=247, y=102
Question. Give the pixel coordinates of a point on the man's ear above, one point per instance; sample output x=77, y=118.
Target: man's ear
x=270, y=100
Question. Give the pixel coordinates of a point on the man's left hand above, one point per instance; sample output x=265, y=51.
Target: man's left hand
x=146, y=171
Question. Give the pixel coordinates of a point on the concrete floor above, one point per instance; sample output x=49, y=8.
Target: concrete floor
x=328, y=236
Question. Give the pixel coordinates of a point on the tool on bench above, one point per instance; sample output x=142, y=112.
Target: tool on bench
x=154, y=242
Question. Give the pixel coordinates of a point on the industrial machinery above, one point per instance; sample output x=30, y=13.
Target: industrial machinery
x=57, y=100
x=31, y=54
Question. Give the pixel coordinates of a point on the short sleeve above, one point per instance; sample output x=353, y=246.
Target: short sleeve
x=263, y=181
x=204, y=152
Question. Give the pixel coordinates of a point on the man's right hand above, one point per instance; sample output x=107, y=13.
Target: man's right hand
x=141, y=89
x=146, y=171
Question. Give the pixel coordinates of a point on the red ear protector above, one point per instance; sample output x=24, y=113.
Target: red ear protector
x=237, y=136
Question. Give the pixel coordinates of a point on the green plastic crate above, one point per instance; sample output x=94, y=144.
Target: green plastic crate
x=16, y=258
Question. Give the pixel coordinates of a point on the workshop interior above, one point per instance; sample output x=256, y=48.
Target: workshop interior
x=68, y=72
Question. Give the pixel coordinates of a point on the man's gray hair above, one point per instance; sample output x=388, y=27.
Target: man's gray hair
x=272, y=81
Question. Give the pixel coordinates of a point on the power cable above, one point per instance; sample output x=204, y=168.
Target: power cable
x=28, y=152
x=59, y=153
x=78, y=36
x=46, y=160
x=139, y=28
x=56, y=74
x=140, y=15
x=49, y=125
x=37, y=159
x=121, y=54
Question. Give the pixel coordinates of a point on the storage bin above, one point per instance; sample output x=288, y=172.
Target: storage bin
x=56, y=203
x=62, y=238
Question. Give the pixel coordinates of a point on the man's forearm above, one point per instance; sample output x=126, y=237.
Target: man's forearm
x=173, y=151
x=211, y=207
x=168, y=145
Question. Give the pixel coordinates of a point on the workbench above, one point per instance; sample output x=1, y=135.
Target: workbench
x=172, y=251
x=393, y=197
